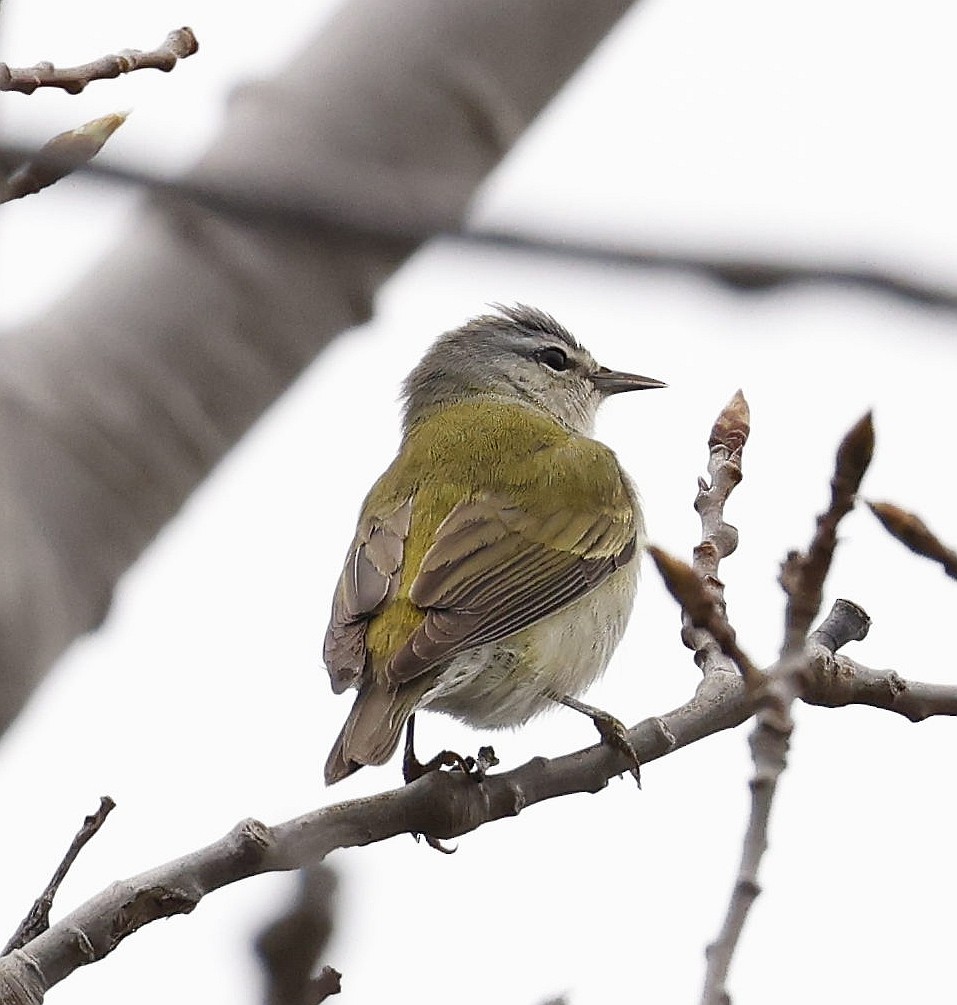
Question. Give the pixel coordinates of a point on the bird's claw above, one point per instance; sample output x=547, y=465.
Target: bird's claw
x=611, y=730
x=613, y=733
x=413, y=769
x=436, y=844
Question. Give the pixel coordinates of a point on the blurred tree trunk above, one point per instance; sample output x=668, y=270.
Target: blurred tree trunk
x=122, y=398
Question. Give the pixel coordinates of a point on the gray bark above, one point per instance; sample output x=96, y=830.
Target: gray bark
x=122, y=398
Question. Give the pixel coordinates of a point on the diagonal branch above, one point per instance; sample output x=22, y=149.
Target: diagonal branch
x=913, y=533
x=440, y=804
x=704, y=615
x=177, y=45
x=444, y=805
x=802, y=576
x=59, y=157
x=38, y=917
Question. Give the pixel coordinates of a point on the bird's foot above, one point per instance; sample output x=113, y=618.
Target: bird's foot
x=484, y=759
x=413, y=768
x=611, y=730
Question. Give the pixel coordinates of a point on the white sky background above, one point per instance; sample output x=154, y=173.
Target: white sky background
x=816, y=129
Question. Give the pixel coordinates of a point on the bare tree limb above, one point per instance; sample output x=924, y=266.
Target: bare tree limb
x=913, y=533
x=444, y=805
x=37, y=919
x=59, y=157
x=290, y=947
x=317, y=215
x=118, y=401
x=177, y=45
x=802, y=577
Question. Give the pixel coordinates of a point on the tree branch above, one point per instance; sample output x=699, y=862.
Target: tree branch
x=37, y=919
x=192, y=325
x=719, y=539
x=841, y=681
x=441, y=804
x=59, y=157
x=291, y=945
x=177, y=45
x=802, y=577
x=704, y=615
x=315, y=216
x=913, y=533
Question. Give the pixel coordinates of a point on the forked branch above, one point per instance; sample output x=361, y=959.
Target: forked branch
x=802, y=577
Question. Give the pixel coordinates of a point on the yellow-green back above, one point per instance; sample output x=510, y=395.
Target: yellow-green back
x=561, y=482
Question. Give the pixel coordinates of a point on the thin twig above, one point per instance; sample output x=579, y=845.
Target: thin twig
x=845, y=622
x=912, y=532
x=802, y=576
x=38, y=917
x=290, y=947
x=312, y=215
x=59, y=157
x=177, y=45
x=719, y=539
x=703, y=614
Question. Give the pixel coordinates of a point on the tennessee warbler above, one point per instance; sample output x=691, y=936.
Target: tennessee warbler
x=495, y=562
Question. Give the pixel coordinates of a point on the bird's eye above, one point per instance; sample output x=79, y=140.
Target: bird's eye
x=553, y=357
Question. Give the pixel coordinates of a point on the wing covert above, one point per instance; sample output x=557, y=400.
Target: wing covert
x=493, y=570
x=369, y=579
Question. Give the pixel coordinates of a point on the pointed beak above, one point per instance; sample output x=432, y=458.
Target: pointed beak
x=615, y=381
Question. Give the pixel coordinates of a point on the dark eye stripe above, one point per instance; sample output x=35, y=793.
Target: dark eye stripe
x=553, y=357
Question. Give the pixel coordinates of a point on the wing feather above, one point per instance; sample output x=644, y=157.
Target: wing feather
x=369, y=579
x=493, y=570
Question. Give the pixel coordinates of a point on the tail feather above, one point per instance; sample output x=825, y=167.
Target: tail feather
x=372, y=730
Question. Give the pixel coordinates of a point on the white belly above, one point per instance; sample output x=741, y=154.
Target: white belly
x=506, y=683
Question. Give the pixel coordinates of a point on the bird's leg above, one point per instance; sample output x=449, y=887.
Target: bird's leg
x=413, y=768
x=611, y=730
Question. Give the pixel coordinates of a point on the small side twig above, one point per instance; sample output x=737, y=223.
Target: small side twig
x=290, y=947
x=38, y=917
x=845, y=622
x=913, y=533
x=703, y=613
x=719, y=539
x=802, y=576
x=59, y=157
x=177, y=45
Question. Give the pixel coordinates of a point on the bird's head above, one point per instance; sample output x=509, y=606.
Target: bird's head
x=520, y=355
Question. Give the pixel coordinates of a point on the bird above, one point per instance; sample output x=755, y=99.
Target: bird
x=495, y=562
